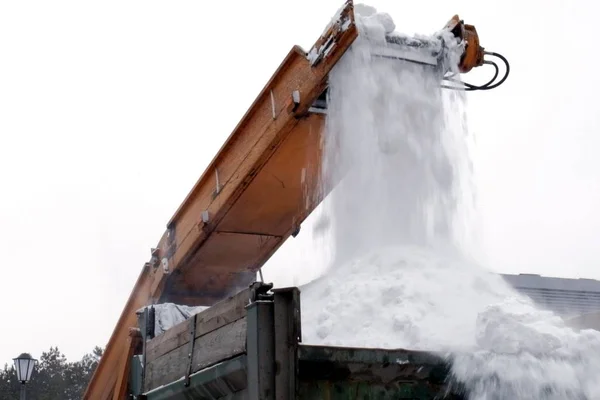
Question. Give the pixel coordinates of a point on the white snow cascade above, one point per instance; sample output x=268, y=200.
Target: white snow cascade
x=401, y=276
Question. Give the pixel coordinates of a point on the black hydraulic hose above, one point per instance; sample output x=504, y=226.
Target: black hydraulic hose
x=470, y=87
x=487, y=86
x=507, y=65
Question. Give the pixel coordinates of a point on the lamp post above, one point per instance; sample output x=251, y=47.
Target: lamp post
x=24, y=365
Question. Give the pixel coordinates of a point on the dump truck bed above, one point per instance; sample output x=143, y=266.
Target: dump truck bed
x=249, y=347
x=328, y=373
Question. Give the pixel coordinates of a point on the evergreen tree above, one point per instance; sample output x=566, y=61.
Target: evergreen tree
x=54, y=377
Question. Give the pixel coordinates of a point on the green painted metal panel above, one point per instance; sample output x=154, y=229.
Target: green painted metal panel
x=329, y=373
x=369, y=355
x=345, y=390
x=226, y=380
x=357, y=373
x=136, y=375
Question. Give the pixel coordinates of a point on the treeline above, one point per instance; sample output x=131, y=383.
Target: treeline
x=54, y=377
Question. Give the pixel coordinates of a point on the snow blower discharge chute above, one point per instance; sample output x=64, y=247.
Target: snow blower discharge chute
x=432, y=52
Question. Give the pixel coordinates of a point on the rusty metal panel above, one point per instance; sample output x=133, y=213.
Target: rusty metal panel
x=343, y=373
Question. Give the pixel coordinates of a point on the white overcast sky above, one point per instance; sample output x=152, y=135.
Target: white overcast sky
x=111, y=110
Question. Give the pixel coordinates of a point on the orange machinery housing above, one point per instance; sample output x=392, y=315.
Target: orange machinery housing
x=249, y=200
x=256, y=192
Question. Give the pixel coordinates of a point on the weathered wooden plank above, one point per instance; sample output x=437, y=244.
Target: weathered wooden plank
x=173, y=338
x=223, y=313
x=226, y=342
x=220, y=344
x=220, y=314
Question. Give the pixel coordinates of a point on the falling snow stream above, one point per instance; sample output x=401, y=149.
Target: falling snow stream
x=400, y=230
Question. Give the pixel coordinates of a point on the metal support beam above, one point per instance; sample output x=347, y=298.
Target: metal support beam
x=146, y=324
x=287, y=336
x=261, y=350
x=136, y=374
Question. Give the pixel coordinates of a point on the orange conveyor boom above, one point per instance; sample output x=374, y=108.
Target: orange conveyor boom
x=255, y=193
x=259, y=188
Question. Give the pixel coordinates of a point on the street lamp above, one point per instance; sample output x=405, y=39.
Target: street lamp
x=24, y=365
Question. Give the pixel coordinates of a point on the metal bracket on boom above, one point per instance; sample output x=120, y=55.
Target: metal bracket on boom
x=320, y=104
x=260, y=291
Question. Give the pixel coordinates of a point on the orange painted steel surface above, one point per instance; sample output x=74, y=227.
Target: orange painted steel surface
x=253, y=196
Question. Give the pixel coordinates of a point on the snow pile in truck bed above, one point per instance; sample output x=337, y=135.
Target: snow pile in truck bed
x=399, y=297
x=399, y=219
x=500, y=345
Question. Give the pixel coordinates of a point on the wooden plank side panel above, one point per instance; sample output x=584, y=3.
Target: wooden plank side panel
x=224, y=343
x=173, y=338
x=220, y=314
x=220, y=344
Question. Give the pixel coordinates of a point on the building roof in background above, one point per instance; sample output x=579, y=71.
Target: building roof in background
x=565, y=296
